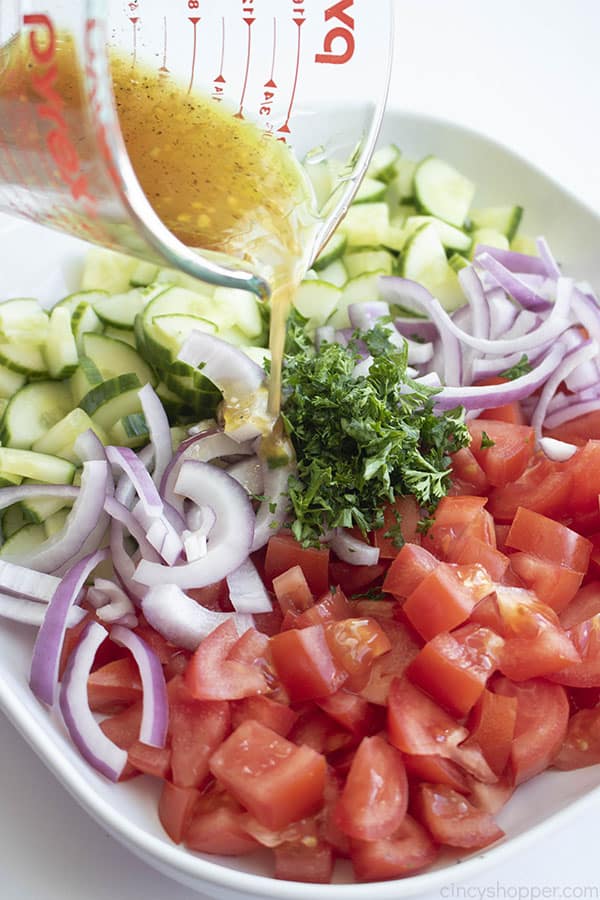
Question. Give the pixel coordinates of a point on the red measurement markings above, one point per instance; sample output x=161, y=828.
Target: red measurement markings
x=218, y=89
x=249, y=19
x=298, y=19
x=270, y=87
x=164, y=68
x=193, y=5
x=271, y=82
x=339, y=43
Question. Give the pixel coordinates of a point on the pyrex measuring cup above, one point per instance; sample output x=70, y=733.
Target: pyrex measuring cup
x=313, y=74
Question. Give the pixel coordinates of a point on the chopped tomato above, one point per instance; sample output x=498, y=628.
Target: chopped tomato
x=556, y=585
x=276, y=781
x=253, y=648
x=491, y=797
x=355, y=644
x=410, y=567
x=543, y=537
x=354, y=580
x=535, y=642
x=176, y=808
x=509, y=454
x=315, y=729
x=269, y=623
x=578, y=431
x=331, y=607
x=583, y=473
x=468, y=478
x=212, y=596
x=350, y=711
x=114, y=686
x=581, y=745
x=492, y=725
x=210, y=675
x=439, y=603
x=477, y=551
x=124, y=727
x=277, y=716
x=584, y=605
x=292, y=590
x=407, y=851
x=452, y=820
x=508, y=412
x=173, y=659
x=476, y=579
x=452, y=518
x=402, y=516
x=311, y=863
x=216, y=826
x=540, y=727
x=454, y=668
x=586, y=640
x=374, y=799
x=436, y=769
x=284, y=552
x=150, y=760
x=305, y=664
x=544, y=488
x=196, y=729
x=392, y=664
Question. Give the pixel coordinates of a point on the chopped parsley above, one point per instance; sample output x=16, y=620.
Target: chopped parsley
x=486, y=441
x=523, y=367
x=361, y=441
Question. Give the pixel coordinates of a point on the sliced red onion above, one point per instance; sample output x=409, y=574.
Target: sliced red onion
x=195, y=545
x=228, y=367
x=10, y=495
x=418, y=354
x=85, y=732
x=249, y=473
x=512, y=284
x=343, y=336
x=520, y=263
x=364, y=316
x=272, y=512
x=503, y=312
x=559, y=451
x=88, y=446
x=583, y=377
x=247, y=591
x=547, y=257
x=201, y=518
x=129, y=462
x=25, y=582
x=351, y=550
x=498, y=395
x=123, y=564
x=182, y=620
x=125, y=491
x=155, y=706
x=525, y=322
x=484, y=367
x=587, y=311
x=48, y=646
x=31, y=612
x=54, y=552
x=571, y=411
x=231, y=535
x=395, y=289
x=410, y=327
x=136, y=529
x=111, y=603
x=324, y=334
x=478, y=302
x=566, y=364
x=161, y=534
x=160, y=432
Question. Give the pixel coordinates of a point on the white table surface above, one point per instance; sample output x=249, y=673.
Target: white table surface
x=526, y=72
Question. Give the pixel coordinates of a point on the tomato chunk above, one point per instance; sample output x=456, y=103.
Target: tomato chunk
x=583, y=473
x=544, y=488
x=543, y=537
x=409, y=568
x=276, y=781
x=585, y=605
x=437, y=770
x=268, y=712
x=176, y=808
x=554, y=584
x=374, y=800
x=510, y=453
x=355, y=644
x=492, y=725
x=468, y=478
x=216, y=826
x=331, y=607
x=454, y=516
x=350, y=711
x=284, y=552
x=292, y=590
x=114, y=686
x=586, y=640
x=196, y=729
x=581, y=746
x=540, y=727
x=452, y=820
x=408, y=850
x=439, y=603
x=454, y=668
x=404, y=648
x=210, y=675
x=305, y=664
x=403, y=516
x=150, y=760
x=354, y=580
x=298, y=862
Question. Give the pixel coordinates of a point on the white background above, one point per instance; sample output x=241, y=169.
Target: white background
x=526, y=72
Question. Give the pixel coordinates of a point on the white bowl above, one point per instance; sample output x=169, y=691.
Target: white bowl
x=41, y=263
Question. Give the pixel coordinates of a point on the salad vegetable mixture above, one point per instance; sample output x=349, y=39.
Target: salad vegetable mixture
x=357, y=648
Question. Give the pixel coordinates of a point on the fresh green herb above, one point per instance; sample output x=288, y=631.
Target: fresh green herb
x=519, y=369
x=361, y=441
x=486, y=441
x=424, y=524
x=371, y=594
x=394, y=532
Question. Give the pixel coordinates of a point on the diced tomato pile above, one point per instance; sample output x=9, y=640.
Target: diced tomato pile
x=381, y=730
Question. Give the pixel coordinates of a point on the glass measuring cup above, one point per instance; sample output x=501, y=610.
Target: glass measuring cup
x=298, y=70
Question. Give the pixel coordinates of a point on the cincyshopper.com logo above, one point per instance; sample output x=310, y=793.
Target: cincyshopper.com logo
x=500, y=891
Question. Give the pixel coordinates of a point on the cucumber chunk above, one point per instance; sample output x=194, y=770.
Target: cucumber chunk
x=384, y=163
x=83, y=321
x=333, y=249
x=441, y=191
x=335, y=273
x=22, y=542
x=37, y=466
x=112, y=357
x=60, y=351
x=452, y=238
x=39, y=509
x=13, y=519
x=371, y=190
x=72, y=301
x=120, y=310
x=107, y=270
x=10, y=382
x=505, y=219
x=424, y=260
x=316, y=300
x=23, y=320
x=362, y=261
x=56, y=522
x=366, y=224
x=111, y=400
x=26, y=359
x=363, y=287
x=32, y=411
x=84, y=378
x=491, y=238
x=130, y=431
x=60, y=439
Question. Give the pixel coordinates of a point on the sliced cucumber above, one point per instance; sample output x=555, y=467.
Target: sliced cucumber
x=112, y=357
x=366, y=224
x=402, y=187
x=107, y=270
x=120, y=310
x=452, y=238
x=72, y=301
x=505, y=219
x=173, y=330
x=424, y=260
x=12, y=520
x=173, y=301
x=84, y=321
x=131, y=431
x=23, y=320
x=37, y=466
x=395, y=238
x=316, y=300
x=333, y=249
x=335, y=273
x=319, y=175
x=143, y=274
x=441, y=191
x=56, y=522
x=10, y=382
x=363, y=287
x=60, y=439
x=237, y=309
x=60, y=351
x=84, y=378
x=369, y=261
x=523, y=244
x=457, y=262
x=26, y=359
x=32, y=411
x=121, y=334
x=371, y=190
x=113, y=399
x=9, y=480
x=23, y=542
x=39, y=509
x=384, y=163
x=491, y=238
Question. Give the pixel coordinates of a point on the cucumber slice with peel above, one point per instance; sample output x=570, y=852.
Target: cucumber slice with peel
x=23, y=320
x=112, y=357
x=131, y=431
x=384, y=163
x=424, y=260
x=109, y=401
x=107, y=270
x=441, y=191
x=333, y=249
x=32, y=411
x=452, y=238
x=60, y=351
x=60, y=439
x=371, y=190
x=37, y=466
x=365, y=225
x=505, y=219
x=23, y=542
x=335, y=273
x=491, y=238
x=13, y=519
x=10, y=382
x=316, y=300
x=362, y=288
x=362, y=261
